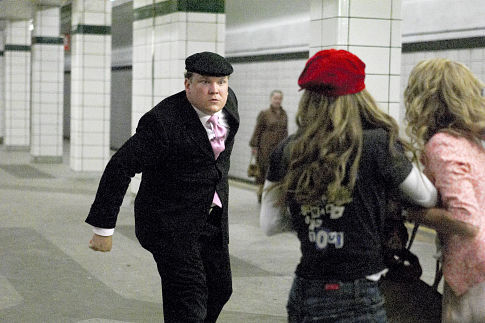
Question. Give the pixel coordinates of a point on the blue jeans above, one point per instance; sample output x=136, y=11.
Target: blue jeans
x=322, y=301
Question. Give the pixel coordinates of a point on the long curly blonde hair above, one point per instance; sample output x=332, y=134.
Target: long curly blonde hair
x=443, y=95
x=325, y=156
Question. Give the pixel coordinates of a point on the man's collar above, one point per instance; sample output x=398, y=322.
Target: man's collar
x=204, y=117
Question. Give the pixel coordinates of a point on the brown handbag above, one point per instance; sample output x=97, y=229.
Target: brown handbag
x=253, y=169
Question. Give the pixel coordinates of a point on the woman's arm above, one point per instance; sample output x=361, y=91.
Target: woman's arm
x=442, y=221
x=418, y=189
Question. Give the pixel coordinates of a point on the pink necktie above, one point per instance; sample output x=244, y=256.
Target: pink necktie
x=217, y=144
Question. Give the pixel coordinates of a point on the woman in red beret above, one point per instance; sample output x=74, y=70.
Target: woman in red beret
x=335, y=176
x=445, y=111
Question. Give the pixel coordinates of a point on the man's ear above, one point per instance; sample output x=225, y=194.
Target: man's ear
x=187, y=84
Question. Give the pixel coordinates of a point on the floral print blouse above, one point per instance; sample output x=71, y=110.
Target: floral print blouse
x=458, y=168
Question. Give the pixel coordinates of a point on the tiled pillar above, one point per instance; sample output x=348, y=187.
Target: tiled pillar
x=2, y=87
x=370, y=29
x=143, y=55
x=164, y=34
x=90, y=84
x=47, y=86
x=17, y=85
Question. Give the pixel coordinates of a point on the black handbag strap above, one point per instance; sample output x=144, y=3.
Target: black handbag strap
x=438, y=270
x=413, y=235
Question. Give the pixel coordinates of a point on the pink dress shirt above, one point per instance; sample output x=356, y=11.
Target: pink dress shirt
x=458, y=168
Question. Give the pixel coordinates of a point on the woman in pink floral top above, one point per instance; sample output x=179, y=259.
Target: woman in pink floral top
x=446, y=119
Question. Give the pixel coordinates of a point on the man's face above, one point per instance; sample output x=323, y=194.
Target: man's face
x=207, y=93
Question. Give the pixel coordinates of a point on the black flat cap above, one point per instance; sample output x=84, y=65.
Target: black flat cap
x=208, y=63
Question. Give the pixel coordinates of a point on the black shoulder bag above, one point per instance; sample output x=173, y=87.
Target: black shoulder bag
x=407, y=297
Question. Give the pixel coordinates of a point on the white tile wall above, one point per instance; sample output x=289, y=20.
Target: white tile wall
x=442, y=19
x=17, y=33
x=395, y=67
x=396, y=8
x=150, y=44
x=334, y=31
x=369, y=32
x=394, y=111
x=2, y=88
x=371, y=8
x=142, y=66
x=273, y=38
x=17, y=86
x=376, y=58
x=396, y=33
x=46, y=22
x=378, y=86
x=202, y=31
x=142, y=3
x=368, y=28
x=90, y=88
x=252, y=83
x=47, y=89
x=88, y=12
x=394, y=88
x=333, y=8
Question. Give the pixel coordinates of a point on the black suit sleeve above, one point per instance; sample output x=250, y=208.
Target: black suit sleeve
x=279, y=160
x=144, y=149
x=232, y=99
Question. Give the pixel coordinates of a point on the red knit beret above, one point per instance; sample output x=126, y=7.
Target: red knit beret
x=333, y=72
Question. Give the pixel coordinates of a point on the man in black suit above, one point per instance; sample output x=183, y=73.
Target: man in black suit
x=181, y=205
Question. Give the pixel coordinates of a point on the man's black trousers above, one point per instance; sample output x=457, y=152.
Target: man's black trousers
x=195, y=275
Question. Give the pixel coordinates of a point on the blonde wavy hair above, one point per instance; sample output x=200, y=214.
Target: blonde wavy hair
x=325, y=156
x=443, y=95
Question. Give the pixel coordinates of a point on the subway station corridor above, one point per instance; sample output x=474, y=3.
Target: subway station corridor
x=48, y=273
x=76, y=76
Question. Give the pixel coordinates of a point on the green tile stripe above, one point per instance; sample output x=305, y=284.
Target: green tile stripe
x=48, y=40
x=444, y=44
x=166, y=7
x=91, y=30
x=461, y=43
x=269, y=57
x=121, y=68
x=144, y=12
x=171, y=6
x=212, y=6
x=1, y=52
x=17, y=48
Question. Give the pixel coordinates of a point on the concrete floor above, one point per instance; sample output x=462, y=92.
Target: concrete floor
x=48, y=273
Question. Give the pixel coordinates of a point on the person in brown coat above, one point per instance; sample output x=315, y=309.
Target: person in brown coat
x=271, y=128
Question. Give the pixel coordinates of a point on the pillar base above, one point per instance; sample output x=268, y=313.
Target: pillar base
x=47, y=159
x=17, y=148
